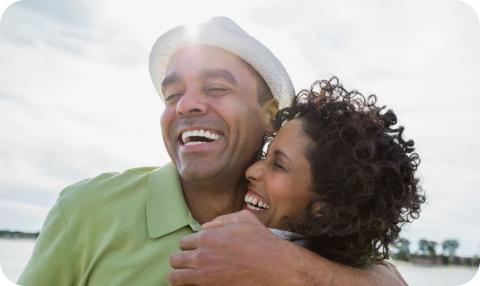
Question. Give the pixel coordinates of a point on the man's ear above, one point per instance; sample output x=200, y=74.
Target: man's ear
x=270, y=109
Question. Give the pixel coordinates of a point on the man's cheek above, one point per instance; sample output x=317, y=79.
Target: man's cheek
x=166, y=125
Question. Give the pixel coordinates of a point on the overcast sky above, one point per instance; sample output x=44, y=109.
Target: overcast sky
x=76, y=97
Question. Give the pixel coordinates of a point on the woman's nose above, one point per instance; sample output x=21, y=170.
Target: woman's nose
x=255, y=171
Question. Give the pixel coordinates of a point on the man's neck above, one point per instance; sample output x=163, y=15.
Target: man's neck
x=206, y=201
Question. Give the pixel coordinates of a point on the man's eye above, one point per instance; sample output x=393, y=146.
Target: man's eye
x=170, y=97
x=216, y=90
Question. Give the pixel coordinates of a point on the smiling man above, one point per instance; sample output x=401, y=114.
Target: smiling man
x=221, y=89
x=212, y=126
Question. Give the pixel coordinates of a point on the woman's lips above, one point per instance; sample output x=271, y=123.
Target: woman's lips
x=255, y=202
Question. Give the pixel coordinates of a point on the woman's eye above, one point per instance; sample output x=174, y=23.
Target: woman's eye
x=278, y=166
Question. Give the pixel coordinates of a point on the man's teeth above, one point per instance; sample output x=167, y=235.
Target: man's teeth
x=194, y=143
x=207, y=136
x=255, y=203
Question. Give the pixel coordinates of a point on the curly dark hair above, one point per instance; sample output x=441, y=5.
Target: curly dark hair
x=363, y=174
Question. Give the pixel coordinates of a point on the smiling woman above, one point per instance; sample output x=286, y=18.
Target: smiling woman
x=338, y=175
x=272, y=180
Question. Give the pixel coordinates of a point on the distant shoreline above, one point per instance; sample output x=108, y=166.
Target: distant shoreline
x=415, y=259
x=18, y=234
x=441, y=260
x=430, y=266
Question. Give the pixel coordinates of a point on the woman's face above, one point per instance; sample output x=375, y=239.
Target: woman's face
x=280, y=186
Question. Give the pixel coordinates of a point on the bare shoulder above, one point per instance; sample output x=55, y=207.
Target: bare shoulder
x=387, y=269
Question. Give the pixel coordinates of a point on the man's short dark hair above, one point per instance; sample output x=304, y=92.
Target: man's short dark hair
x=264, y=93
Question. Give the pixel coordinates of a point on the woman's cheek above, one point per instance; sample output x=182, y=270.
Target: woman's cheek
x=282, y=189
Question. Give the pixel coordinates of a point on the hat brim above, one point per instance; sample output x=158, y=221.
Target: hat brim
x=222, y=33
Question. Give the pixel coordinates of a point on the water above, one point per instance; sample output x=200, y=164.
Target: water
x=14, y=255
x=417, y=275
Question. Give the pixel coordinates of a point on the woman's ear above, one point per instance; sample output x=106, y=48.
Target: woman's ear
x=316, y=209
x=270, y=109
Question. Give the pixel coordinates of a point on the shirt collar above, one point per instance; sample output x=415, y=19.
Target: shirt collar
x=166, y=208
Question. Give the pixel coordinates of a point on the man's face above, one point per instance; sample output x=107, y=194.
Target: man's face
x=212, y=124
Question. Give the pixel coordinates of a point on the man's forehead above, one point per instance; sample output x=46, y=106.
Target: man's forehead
x=206, y=61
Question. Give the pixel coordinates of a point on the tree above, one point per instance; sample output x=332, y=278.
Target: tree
x=432, y=248
x=450, y=247
x=427, y=247
x=422, y=246
x=403, y=249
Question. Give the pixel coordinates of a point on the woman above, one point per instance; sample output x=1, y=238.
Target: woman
x=338, y=176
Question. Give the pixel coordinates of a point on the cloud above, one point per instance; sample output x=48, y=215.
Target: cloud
x=424, y=66
x=64, y=114
x=76, y=97
x=4, y=4
x=29, y=216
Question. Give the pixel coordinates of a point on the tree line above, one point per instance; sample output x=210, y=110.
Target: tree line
x=427, y=253
x=17, y=234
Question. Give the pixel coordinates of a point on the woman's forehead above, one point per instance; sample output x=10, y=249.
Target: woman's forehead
x=291, y=138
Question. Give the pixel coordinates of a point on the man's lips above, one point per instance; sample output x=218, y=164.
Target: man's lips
x=198, y=135
x=201, y=146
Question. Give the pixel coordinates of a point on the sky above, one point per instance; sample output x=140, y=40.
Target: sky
x=76, y=98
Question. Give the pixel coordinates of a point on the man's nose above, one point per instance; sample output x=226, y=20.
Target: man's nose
x=191, y=102
x=255, y=172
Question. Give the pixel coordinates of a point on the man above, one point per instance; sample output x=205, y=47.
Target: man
x=221, y=89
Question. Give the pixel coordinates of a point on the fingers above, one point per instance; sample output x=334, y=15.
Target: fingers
x=190, y=242
x=182, y=277
x=221, y=221
x=212, y=224
x=183, y=260
x=232, y=218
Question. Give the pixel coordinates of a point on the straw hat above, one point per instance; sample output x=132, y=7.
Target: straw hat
x=222, y=32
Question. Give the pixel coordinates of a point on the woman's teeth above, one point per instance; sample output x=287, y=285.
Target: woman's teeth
x=255, y=203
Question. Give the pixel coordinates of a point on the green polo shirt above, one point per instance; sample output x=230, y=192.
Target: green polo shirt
x=115, y=229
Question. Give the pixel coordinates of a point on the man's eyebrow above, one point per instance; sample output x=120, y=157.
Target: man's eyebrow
x=171, y=78
x=282, y=154
x=221, y=73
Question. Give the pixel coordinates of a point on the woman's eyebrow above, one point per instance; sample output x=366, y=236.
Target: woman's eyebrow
x=219, y=73
x=283, y=155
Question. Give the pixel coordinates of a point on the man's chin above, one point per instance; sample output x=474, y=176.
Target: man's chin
x=199, y=171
